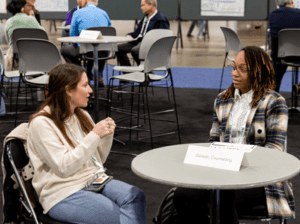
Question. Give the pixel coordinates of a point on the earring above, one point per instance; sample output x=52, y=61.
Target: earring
x=22, y=9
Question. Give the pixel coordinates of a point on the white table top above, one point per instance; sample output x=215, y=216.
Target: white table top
x=106, y=39
x=165, y=165
x=63, y=27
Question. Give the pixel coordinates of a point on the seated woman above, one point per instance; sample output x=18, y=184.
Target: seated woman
x=22, y=18
x=248, y=112
x=68, y=150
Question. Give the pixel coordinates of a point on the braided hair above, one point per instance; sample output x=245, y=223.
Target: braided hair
x=260, y=72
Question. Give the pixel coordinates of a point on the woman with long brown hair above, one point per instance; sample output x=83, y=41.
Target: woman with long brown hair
x=68, y=151
x=248, y=112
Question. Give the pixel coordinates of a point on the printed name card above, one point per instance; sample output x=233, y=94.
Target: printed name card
x=91, y=34
x=226, y=159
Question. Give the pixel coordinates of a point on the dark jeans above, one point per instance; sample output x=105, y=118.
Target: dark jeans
x=193, y=204
x=71, y=55
x=132, y=47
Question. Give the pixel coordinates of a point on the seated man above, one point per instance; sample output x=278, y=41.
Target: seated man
x=89, y=16
x=286, y=16
x=71, y=12
x=153, y=19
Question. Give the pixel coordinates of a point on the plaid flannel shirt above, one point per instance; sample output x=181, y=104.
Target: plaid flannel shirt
x=266, y=126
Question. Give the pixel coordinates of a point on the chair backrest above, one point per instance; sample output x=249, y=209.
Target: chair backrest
x=159, y=54
x=2, y=62
x=17, y=152
x=105, y=31
x=150, y=38
x=27, y=33
x=37, y=55
x=288, y=43
x=232, y=40
x=2, y=35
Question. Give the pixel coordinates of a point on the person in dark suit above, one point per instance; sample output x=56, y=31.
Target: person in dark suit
x=152, y=19
x=284, y=17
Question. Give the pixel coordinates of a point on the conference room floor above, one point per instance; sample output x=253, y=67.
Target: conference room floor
x=195, y=52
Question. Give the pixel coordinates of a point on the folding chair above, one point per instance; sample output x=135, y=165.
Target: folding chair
x=158, y=56
x=233, y=44
x=15, y=159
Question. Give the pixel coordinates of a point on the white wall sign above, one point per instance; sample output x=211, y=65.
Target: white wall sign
x=217, y=158
x=52, y=5
x=3, y=6
x=222, y=8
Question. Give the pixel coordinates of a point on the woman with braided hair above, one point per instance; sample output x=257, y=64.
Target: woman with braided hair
x=248, y=112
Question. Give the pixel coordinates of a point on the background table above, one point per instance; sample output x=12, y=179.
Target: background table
x=95, y=43
x=165, y=165
x=63, y=27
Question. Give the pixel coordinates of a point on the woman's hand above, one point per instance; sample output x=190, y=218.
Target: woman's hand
x=104, y=127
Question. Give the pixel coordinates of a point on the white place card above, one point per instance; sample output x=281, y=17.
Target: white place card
x=242, y=147
x=226, y=159
x=91, y=34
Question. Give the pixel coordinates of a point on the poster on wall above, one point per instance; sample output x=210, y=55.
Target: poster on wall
x=222, y=8
x=3, y=6
x=52, y=6
x=297, y=4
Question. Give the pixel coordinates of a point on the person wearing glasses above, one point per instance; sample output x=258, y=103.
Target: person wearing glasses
x=249, y=111
x=34, y=12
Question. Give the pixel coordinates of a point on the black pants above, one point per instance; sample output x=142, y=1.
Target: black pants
x=132, y=47
x=193, y=204
x=71, y=55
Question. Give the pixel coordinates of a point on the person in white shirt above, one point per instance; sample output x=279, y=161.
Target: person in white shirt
x=68, y=151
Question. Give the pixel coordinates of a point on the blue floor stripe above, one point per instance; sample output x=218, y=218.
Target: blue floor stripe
x=201, y=78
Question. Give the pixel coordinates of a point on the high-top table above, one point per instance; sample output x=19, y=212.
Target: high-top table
x=165, y=165
x=95, y=43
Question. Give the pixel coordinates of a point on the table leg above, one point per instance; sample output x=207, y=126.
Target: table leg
x=214, y=206
x=96, y=82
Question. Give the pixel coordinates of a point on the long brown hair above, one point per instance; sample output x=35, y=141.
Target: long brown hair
x=61, y=77
x=260, y=71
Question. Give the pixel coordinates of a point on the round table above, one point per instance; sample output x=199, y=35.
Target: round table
x=165, y=165
x=95, y=43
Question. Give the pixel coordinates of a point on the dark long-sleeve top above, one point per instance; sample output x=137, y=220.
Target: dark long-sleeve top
x=282, y=18
x=159, y=21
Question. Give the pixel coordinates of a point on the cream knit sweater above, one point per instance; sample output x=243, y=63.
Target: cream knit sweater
x=59, y=169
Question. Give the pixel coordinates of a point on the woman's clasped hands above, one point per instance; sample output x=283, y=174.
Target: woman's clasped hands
x=104, y=127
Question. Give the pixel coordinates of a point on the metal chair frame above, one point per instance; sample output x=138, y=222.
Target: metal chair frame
x=153, y=60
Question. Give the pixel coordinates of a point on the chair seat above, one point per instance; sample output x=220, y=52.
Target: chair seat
x=41, y=80
x=138, y=77
x=139, y=68
x=12, y=74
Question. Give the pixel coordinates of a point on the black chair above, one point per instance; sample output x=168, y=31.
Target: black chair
x=15, y=159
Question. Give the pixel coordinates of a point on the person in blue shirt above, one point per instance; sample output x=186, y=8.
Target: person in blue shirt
x=152, y=19
x=89, y=16
x=286, y=16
